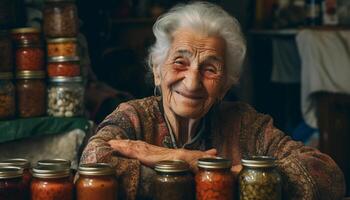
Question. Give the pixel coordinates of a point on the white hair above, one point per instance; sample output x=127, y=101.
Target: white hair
x=208, y=19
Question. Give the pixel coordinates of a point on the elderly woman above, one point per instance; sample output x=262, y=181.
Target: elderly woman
x=196, y=58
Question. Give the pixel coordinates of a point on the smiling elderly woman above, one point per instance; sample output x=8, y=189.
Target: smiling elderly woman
x=196, y=58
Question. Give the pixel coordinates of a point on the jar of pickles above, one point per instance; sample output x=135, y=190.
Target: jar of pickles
x=31, y=93
x=6, y=52
x=7, y=96
x=51, y=183
x=29, y=56
x=12, y=186
x=96, y=181
x=30, y=34
x=63, y=66
x=173, y=181
x=62, y=47
x=23, y=164
x=259, y=179
x=65, y=97
x=60, y=18
x=214, y=179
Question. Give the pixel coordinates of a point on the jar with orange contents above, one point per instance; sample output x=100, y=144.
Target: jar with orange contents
x=96, y=181
x=26, y=34
x=29, y=56
x=23, y=164
x=214, y=179
x=50, y=183
x=63, y=66
x=61, y=47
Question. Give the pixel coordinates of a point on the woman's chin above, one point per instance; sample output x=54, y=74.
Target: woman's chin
x=190, y=112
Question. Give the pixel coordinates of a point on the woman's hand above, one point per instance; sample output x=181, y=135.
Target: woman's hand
x=149, y=154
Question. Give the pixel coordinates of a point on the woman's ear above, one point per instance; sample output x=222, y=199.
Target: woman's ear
x=156, y=75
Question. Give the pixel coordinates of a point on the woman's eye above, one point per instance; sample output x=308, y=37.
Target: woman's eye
x=210, y=69
x=180, y=62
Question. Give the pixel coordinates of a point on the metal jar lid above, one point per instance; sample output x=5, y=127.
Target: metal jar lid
x=25, y=30
x=7, y=172
x=214, y=163
x=27, y=43
x=63, y=59
x=259, y=161
x=50, y=172
x=6, y=76
x=66, y=79
x=16, y=162
x=30, y=74
x=61, y=163
x=60, y=40
x=172, y=166
x=96, y=169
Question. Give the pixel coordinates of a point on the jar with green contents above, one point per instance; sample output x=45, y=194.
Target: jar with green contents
x=259, y=179
x=173, y=181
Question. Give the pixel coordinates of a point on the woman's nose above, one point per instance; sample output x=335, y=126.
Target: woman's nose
x=193, y=80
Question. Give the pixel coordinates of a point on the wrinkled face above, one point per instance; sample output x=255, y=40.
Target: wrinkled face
x=193, y=77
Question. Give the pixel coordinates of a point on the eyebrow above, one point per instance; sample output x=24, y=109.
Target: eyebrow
x=213, y=58
x=183, y=52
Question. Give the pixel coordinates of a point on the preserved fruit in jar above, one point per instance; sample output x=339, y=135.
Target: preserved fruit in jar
x=12, y=186
x=62, y=47
x=63, y=66
x=29, y=57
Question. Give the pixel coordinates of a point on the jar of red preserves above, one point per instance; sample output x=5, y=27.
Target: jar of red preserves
x=63, y=66
x=29, y=56
x=31, y=34
x=214, y=179
x=173, y=181
x=23, y=164
x=51, y=183
x=61, y=47
x=96, y=181
x=31, y=93
x=6, y=52
x=12, y=186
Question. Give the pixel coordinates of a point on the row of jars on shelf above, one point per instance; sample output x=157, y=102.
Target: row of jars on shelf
x=258, y=180
x=28, y=52
x=29, y=96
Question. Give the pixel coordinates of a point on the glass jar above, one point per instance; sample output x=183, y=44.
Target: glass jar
x=61, y=163
x=65, y=97
x=7, y=96
x=96, y=181
x=23, y=164
x=214, y=179
x=63, y=66
x=62, y=47
x=12, y=186
x=259, y=179
x=30, y=34
x=173, y=181
x=29, y=56
x=51, y=183
x=6, y=52
x=31, y=93
x=60, y=19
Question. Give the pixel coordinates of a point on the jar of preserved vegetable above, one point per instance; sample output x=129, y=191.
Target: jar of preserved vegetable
x=30, y=34
x=65, y=97
x=23, y=164
x=31, y=93
x=60, y=18
x=6, y=52
x=96, y=181
x=63, y=66
x=62, y=47
x=51, y=183
x=173, y=181
x=259, y=179
x=7, y=96
x=12, y=186
x=214, y=179
x=29, y=56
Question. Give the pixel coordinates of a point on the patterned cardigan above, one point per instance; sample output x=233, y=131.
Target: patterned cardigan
x=235, y=129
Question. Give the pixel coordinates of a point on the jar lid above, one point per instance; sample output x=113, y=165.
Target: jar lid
x=16, y=162
x=61, y=40
x=6, y=75
x=30, y=74
x=64, y=79
x=62, y=163
x=63, y=59
x=10, y=172
x=28, y=43
x=96, y=169
x=259, y=161
x=25, y=30
x=214, y=163
x=50, y=172
x=172, y=166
